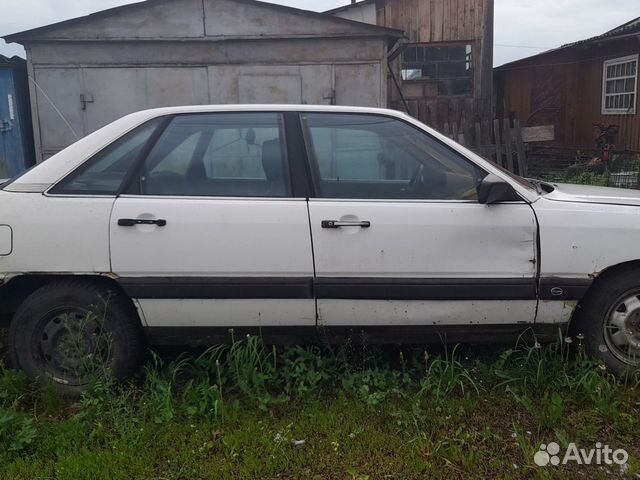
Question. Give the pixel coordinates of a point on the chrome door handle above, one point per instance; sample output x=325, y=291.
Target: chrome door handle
x=132, y=222
x=339, y=224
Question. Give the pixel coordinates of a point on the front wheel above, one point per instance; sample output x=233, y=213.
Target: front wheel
x=71, y=332
x=609, y=319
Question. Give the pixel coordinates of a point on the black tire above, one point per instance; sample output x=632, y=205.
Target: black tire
x=594, y=321
x=71, y=332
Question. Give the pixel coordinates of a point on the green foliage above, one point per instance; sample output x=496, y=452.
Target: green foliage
x=17, y=433
x=577, y=177
x=242, y=410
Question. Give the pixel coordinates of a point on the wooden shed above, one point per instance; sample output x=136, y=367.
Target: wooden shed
x=443, y=70
x=574, y=87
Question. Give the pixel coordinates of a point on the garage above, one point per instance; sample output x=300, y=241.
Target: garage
x=89, y=71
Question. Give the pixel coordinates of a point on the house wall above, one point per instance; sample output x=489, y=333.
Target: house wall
x=564, y=89
x=440, y=21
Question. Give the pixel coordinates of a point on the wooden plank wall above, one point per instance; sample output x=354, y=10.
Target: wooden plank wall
x=571, y=96
x=440, y=21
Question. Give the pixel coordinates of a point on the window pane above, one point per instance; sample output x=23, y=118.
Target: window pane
x=610, y=87
x=410, y=54
x=374, y=157
x=411, y=74
x=104, y=173
x=630, y=84
x=458, y=52
x=219, y=154
x=437, y=54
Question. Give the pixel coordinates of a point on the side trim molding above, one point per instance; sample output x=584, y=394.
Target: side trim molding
x=218, y=287
x=550, y=288
x=426, y=289
x=559, y=288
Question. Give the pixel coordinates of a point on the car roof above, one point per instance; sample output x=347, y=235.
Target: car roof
x=269, y=108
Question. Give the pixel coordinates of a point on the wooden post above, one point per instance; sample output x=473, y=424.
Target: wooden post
x=478, y=139
x=522, y=159
x=508, y=147
x=496, y=131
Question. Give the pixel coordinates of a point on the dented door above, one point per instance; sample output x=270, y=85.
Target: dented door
x=399, y=235
x=424, y=263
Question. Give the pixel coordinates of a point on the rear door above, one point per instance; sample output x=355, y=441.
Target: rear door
x=209, y=233
x=399, y=236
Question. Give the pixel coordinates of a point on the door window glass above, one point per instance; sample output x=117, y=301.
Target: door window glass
x=377, y=157
x=104, y=173
x=220, y=154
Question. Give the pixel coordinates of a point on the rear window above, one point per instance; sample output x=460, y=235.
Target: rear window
x=105, y=172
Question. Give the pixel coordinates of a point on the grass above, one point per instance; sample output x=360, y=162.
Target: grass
x=356, y=412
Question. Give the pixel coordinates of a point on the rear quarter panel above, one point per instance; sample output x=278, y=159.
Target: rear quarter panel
x=56, y=234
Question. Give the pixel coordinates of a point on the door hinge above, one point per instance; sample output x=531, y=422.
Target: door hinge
x=85, y=99
x=330, y=95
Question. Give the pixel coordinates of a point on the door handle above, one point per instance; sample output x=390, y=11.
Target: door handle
x=132, y=222
x=339, y=224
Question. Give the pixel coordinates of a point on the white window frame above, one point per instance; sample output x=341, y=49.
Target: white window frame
x=613, y=62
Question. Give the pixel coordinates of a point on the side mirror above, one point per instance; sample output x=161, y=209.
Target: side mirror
x=493, y=189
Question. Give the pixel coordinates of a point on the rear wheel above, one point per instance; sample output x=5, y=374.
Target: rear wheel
x=609, y=319
x=70, y=333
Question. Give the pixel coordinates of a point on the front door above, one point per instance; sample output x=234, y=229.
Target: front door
x=399, y=236
x=209, y=234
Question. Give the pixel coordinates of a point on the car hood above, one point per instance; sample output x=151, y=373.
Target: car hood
x=589, y=194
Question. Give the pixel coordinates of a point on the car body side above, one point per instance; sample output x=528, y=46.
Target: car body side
x=575, y=242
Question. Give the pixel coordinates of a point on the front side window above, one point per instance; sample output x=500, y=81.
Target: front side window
x=218, y=154
x=449, y=67
x=376, y=157
x=620, y=86
x=104, y=173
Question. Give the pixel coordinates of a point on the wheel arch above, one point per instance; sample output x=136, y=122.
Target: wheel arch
x=599, y=278
x=18, y=288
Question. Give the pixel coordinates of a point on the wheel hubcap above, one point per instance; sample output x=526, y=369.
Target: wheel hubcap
x=622, y=330
x=72, y=345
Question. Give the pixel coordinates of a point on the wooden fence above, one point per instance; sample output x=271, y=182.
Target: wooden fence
x=502, y=142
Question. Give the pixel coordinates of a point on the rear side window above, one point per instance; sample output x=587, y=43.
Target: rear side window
x=219, y=154
x=361, y=156
x=104, y=173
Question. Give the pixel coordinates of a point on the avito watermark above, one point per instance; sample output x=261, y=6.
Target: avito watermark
x=550, y=454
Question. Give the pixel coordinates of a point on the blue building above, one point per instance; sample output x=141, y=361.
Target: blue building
x=16, y=131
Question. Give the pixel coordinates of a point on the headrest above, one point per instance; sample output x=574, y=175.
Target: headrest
x=272, y=160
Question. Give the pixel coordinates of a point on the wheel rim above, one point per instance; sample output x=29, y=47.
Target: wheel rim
x=622, y=329
x=72, y=345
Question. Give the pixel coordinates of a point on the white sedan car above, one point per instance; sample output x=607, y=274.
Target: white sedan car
x=175, y=225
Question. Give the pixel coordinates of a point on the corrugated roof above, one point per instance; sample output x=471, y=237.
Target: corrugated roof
x=34, y=32
x=349, y=6
x=12, y=61
x=629, y=28
x=626, y=28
